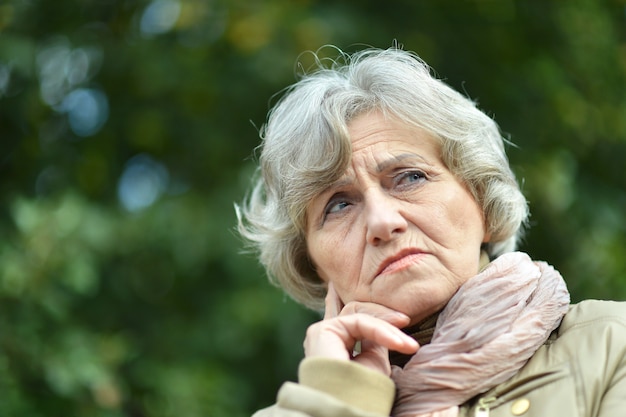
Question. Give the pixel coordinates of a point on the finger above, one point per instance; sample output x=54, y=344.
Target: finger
x=374, y=356
x=335, y=337
x=387, y=314
x=333, y=303
x=380, y=332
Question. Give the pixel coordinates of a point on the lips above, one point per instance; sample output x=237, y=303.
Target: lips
x=400, y=261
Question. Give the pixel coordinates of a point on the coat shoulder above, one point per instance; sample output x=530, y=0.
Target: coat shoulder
x=594, y=312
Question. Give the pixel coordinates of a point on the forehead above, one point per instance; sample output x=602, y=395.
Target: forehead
x=381, y=139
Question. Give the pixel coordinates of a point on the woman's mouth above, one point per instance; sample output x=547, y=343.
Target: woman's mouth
x=400, y=262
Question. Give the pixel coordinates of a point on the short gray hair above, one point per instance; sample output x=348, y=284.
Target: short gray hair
x=306, y=147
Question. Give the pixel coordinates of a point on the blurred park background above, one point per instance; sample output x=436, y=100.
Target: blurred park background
x=128, y=129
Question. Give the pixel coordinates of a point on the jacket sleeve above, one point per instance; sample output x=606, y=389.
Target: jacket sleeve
x=613, y=398
x=333, y=388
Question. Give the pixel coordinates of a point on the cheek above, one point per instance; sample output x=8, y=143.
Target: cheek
x=465, y=216
x=473, y=223
x=336, y=261
x=319, y=254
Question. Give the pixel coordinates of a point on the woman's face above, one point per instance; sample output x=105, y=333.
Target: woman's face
x=397, y=229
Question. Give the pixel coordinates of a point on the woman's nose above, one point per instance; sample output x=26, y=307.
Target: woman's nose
x=384, y=219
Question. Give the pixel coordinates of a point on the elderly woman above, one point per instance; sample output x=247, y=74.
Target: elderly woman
x=386, y=198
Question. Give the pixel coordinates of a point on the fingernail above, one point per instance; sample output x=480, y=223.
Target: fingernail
x=398, y=316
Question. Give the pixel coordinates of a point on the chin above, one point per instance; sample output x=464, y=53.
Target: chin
x=420, y=308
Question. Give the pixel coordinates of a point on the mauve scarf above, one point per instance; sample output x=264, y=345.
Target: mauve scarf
x=484, y=335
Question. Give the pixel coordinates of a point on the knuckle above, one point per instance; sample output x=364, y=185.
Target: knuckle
x=351, y=308
x=369, y=309
x=320, y=326
x=312, y=330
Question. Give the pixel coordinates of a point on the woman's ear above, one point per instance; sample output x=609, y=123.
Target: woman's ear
x=487, y=235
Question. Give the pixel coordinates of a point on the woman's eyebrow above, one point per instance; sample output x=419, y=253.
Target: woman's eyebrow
x=340, y=183
x=345, y=181
x=396, y=159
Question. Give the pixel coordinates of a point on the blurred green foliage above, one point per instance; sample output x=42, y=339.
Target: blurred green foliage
x=128, y=129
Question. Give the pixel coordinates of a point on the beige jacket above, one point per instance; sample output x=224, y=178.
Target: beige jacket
x=579, y=372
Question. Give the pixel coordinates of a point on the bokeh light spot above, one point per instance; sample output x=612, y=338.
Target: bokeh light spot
x=159, y=17
x=87, y=110
x=142, y=183
x=5, y=77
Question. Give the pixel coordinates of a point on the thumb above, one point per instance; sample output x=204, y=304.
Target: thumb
x=332, y=303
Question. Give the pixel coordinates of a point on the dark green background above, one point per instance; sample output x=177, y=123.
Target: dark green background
x=152, y=310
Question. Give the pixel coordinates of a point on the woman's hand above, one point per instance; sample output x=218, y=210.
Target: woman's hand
x=375, y=326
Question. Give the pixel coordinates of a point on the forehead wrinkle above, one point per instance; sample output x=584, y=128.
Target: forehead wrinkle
x=347, y=179
x=396, y=159
x=340, y=183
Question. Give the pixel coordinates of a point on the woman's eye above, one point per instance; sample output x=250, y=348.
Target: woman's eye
x=411, y=177
x=336, y=206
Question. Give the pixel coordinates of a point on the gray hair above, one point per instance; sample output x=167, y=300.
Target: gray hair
x=306, y=147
